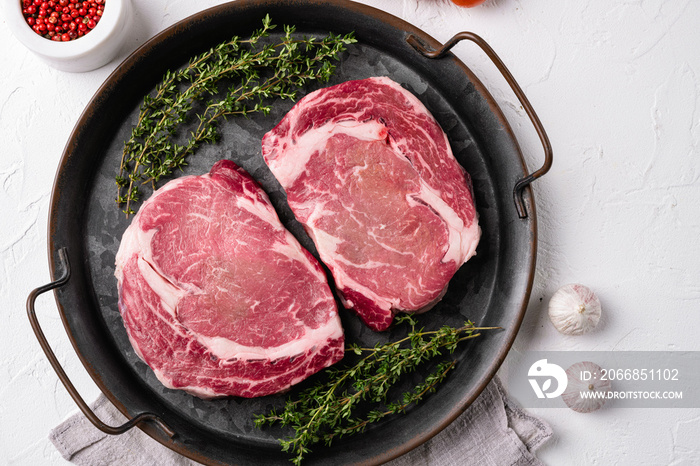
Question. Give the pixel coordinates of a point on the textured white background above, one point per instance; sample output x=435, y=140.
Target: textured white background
x=616, y=84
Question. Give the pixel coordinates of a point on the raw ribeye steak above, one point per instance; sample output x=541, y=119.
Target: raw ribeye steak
x=371, y=176
x=217, y=297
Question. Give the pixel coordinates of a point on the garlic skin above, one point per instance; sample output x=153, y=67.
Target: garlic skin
x=576, y=385
x=574, y=309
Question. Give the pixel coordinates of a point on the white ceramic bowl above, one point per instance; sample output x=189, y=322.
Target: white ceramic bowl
x=91, y=51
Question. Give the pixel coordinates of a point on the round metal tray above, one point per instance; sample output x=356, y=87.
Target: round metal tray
x=85, y=227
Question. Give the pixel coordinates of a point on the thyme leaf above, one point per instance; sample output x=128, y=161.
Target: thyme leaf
x=256, y=72
x=329, y=409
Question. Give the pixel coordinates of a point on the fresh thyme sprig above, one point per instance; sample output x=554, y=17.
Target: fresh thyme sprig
x=255, y=72
x=327, y=410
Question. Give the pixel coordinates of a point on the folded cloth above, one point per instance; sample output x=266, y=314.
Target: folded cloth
x=492, y=431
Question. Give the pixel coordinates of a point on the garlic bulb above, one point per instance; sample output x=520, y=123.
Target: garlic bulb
x=585, y=377
x=574, y=309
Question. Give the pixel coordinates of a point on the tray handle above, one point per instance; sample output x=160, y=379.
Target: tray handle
x=418, y=45
x=62, y=280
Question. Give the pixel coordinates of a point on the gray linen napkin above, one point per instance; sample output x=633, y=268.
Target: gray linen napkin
x=492, y=431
